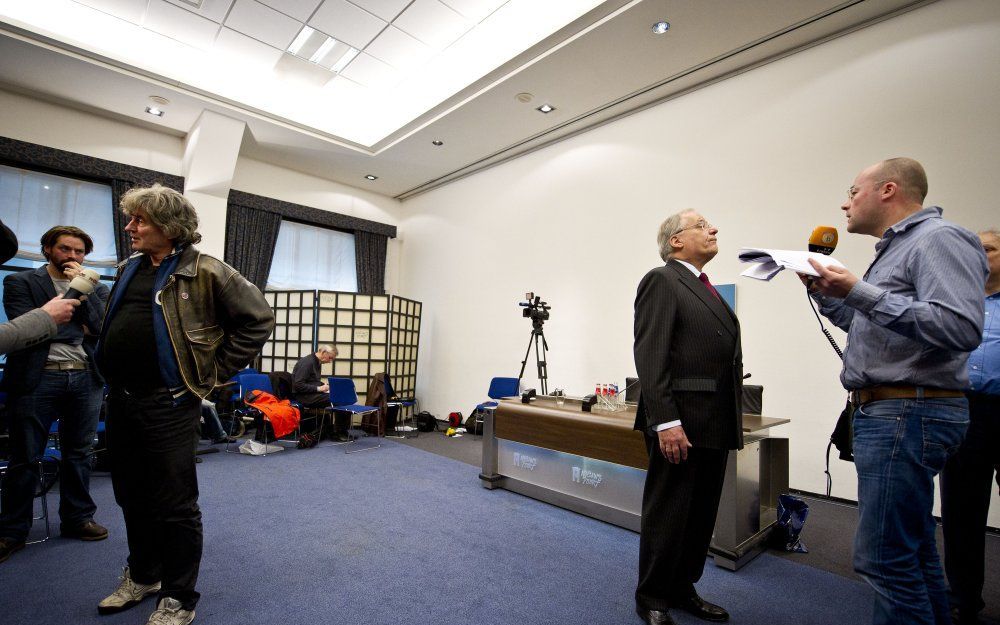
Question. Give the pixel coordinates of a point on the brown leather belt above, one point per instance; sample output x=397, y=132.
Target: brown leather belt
x=71, y=365
x=879, y=393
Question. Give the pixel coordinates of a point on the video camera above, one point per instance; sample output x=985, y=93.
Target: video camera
x=536, y=309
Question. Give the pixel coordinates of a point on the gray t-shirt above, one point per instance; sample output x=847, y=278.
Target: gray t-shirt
x=64, y=352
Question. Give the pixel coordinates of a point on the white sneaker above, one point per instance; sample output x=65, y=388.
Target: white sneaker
x=170, y=612
x=128, y=594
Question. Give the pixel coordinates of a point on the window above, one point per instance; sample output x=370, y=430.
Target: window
x=310, y=257
x=32, y=202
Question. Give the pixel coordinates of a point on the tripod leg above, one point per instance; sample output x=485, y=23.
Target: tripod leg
x=525, y=361
x=543, y=373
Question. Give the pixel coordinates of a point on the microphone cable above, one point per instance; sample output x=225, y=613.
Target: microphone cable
x=826, y=333
x=840, y=354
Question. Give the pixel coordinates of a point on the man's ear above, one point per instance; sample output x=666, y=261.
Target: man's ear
x=889, y=189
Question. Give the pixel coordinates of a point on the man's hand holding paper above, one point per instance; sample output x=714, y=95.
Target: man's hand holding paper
x=832, y=281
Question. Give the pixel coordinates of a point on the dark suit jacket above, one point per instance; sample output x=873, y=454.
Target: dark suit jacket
x=689, y=359
x=306, y=376
x=27, y=290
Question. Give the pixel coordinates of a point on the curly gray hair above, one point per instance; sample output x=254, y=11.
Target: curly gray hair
x=167, y=209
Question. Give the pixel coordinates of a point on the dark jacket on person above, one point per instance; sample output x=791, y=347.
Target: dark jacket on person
x=210, y=322
x=25, y=291
x=689, y=359
x=306, y=379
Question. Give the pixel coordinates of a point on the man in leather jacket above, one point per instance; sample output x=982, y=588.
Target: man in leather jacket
x=178, y=323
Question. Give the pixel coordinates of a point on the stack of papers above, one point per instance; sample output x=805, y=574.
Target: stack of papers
x=768, y=263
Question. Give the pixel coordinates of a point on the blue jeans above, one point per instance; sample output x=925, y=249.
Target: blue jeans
x=899, y=446
x=212, y=428
x=74, y=399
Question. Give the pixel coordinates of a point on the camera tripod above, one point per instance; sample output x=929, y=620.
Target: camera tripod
x=536, y=334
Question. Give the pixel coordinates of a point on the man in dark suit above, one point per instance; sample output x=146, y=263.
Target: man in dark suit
x=689, y=361
x=54, y=379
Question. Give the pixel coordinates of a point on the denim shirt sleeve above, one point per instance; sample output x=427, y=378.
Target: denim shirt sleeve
x=834, y=309
x=943, y=306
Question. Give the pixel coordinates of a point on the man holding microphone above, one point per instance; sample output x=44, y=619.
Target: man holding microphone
x=912, y=320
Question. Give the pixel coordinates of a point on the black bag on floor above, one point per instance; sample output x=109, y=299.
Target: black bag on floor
x=426, y=422
x=473, y=425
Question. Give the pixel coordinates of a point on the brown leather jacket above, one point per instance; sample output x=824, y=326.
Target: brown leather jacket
x=216, y=320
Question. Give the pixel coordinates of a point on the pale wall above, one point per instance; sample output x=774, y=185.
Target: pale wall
x=766, y=156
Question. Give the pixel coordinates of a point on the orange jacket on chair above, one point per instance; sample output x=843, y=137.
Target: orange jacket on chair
x=284, y=417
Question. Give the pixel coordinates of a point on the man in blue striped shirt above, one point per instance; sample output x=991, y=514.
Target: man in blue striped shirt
x=911, y=321
x=967, y=479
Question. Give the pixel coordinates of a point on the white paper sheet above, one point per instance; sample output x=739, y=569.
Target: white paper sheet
x=768, y=263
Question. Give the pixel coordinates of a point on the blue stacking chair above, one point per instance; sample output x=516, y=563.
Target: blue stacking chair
x=344, y=398
x=499, y=389
x=401, y=403
x=253, y=382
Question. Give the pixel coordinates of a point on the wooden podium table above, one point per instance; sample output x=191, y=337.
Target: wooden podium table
x=595, y=464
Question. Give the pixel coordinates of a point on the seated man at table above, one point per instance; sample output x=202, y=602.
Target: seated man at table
x=308, y=386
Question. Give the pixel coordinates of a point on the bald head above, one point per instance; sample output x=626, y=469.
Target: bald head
x=908, y=174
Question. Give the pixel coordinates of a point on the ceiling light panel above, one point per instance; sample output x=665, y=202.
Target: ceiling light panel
x=245, y=51
x=214, y=10
x=386, y=9
x=433, y=23
x=475, y=10
x=263, y=23
x=399, y=49
x=299, y=9
x=128, y=10
x=346, y=22
x=371, y=72
x=307, y=42
x=184, y=26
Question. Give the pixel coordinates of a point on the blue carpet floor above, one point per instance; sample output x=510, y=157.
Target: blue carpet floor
x=396, y=536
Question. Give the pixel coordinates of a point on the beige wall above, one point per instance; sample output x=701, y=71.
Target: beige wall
x=766, y=156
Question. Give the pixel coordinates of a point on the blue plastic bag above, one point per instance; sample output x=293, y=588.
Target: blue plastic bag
x=792, y=513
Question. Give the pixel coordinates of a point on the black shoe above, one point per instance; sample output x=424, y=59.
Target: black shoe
x=8, y=546
x=88, y=530
x=224, y=439
x=702, y=609
x=654, y=617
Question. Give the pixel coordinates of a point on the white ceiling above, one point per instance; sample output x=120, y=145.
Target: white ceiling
x=592, y=65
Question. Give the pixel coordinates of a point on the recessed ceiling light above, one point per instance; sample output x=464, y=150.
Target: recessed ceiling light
x=152, y=110
x=437, y=142
x=300, y=40
x=546, y=108
x=661, y=27
x=45, y=186
x=371, y=177
x=316, y=47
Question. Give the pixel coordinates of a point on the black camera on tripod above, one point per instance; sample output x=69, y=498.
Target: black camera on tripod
x=536, y=309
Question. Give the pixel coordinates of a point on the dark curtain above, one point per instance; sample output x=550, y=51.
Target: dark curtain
x=369, y=251
x=251, y=235
x=123, y=243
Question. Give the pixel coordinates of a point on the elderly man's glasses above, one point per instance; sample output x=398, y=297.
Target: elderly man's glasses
x=701, y=224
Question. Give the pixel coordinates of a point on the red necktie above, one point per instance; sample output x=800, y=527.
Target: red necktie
x=708, y=285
